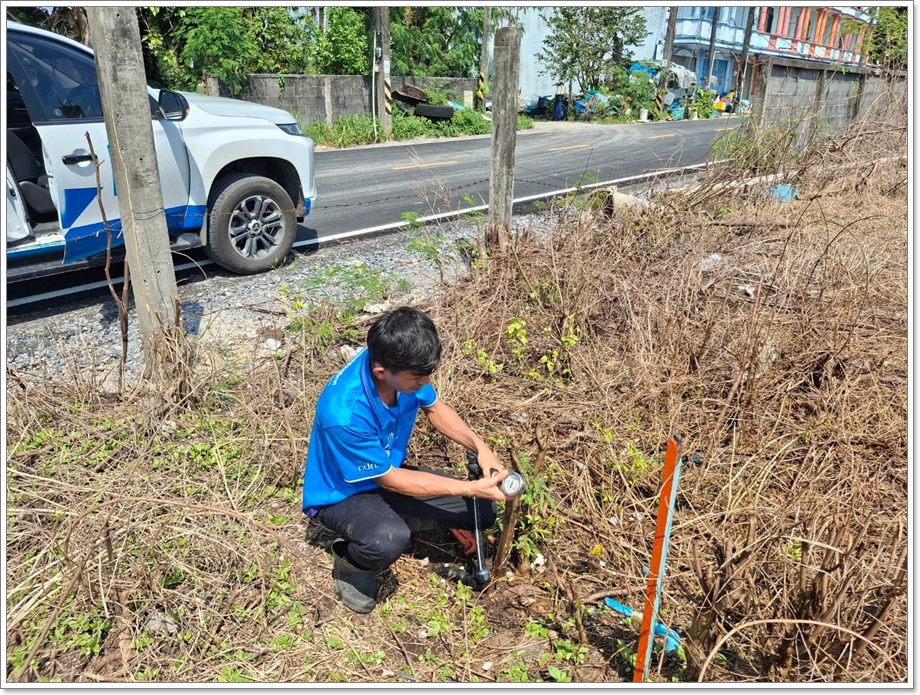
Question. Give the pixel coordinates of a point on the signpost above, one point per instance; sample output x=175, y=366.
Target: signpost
x=650, y=627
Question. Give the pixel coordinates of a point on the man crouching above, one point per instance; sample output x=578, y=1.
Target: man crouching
x=354, y=481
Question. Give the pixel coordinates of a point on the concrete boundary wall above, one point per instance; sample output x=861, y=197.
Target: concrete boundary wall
x=823, y=98
x=325, y=98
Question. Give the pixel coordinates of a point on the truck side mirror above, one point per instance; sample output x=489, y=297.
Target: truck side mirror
x=173, y=105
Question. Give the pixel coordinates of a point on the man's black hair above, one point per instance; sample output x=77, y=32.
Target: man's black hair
x=405, y=339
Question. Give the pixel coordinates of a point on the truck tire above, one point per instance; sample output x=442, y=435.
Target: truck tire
x=434, y=113
x=251, y=224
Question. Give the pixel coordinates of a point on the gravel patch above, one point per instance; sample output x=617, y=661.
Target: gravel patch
x=243, y=317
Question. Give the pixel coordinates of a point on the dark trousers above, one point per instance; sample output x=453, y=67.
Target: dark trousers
x=372, y=521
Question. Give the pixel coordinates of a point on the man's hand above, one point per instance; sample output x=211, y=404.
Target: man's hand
x=489, y=462
x=488, y=487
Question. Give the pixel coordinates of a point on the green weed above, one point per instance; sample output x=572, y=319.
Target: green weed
x=534, y=629
x=566, y=651
x=536, y=521
x=558, y=675
x=351, y=131
x=83, y=633
x=434, y=247
x=636, y=464
x=517, y=673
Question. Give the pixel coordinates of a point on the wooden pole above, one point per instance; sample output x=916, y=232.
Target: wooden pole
x=666, y=70
x=712, y=46
x=126, y=106
x=669, y=478
x=504, y=136
x=742, y=69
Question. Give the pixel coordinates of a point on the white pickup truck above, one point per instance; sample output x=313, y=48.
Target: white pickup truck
x=236, y=176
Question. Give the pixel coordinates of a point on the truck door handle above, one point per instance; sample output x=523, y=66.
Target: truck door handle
x=76, y=158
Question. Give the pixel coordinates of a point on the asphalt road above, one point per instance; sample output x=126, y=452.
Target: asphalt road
x=372, y=187
x=369, y=189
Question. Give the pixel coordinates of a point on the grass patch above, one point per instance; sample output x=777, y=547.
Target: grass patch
x=351, y=131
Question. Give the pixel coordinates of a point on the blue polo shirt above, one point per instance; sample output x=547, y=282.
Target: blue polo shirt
x=356, y=437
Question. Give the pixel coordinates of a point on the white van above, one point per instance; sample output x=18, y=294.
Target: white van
x=236, y=176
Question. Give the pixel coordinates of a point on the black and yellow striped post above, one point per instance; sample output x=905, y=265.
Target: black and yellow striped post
x=387, y=97
x=481, y=91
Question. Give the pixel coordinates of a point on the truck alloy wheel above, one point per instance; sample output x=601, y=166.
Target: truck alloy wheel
x=251, y=226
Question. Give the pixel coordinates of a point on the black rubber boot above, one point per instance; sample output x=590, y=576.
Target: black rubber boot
x=356, y=587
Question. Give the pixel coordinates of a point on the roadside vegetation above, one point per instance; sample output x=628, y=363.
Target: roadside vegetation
x=184, y=45
x=349, y=131
x=157, y=541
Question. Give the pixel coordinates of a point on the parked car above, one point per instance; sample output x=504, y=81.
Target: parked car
x=236, y=176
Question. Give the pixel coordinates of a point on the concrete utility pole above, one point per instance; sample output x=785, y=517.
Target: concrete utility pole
x=483, y=59
x=742, y=69
x=665, y=73
x=712, y=46
x=504, y=136
x=126, y=107
x=382, y=68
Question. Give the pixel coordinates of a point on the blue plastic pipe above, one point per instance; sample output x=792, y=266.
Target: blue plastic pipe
x=671, y=638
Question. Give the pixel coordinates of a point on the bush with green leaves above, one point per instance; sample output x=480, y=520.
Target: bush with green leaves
x=350, y=131
x=702, y=102
x=635, y=90
x=182, y=45
x=344, y=48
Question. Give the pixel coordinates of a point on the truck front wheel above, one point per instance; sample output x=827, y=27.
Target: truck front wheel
x=251, y=224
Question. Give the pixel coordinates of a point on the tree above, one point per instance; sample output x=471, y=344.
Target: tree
x=436, y=41
x=344, y=48
x=182, y=45
x=442, y=41
x=67, y=21
x=888, y=42
x=586, y=43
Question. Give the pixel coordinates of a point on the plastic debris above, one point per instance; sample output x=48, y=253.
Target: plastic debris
x=784, y=192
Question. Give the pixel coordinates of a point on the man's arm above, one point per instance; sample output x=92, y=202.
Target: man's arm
x=446, y=421
x=422, y=484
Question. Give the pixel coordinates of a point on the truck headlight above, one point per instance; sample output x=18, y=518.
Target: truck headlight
x=291, y=128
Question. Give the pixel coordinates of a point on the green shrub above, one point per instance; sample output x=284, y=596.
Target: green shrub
x=319, y=132
x=355, y=130
x=702, y=101
x=464, y=122
x=350, y=131
x=524, y=122
x=410, y=127
x=437, y=96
